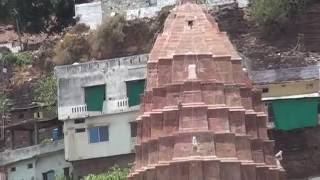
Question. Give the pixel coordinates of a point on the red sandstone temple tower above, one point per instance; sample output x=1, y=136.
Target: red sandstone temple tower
x=200, y=118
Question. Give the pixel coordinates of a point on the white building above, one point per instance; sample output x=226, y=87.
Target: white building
x=42, y=161
x=89, y=13
x=98, y=102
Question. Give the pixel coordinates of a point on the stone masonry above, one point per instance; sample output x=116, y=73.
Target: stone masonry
x=200, y=117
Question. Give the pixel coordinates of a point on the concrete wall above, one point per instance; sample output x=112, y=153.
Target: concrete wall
x=149, y=8
x=12, y=156
x=100, y=165
x=77, y=146
x=22, y=172
x=41, y=164
x=54, y=161
x=113, y=73
x=290, y=88
x=92, y=13
x=89, y=14
x=13, y=48
x=43, y=157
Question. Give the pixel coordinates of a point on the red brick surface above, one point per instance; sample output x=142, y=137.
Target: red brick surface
x=209, y=127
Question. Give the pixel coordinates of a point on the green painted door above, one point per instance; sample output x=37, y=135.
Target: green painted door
x=134, y=89
x=94, y=97
x=295, y=113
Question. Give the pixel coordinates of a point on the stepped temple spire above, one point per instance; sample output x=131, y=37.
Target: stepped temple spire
x=200, y=118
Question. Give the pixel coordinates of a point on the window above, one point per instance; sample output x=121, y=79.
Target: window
x=98, y=134
x=48, y=175
x=79, y=121
x=133, y=127
x=38, y=115
x=80, y=130
x=30, y=166
x=265, y=90
x=66, y=172
x=94, y=97
x=13, y=169
x=190, y=23
x=134, y=89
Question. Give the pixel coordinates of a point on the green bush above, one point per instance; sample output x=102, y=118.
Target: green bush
x=108, y=36
x=72, y=48
x=271, y=14
x=18, y=59
x=115, y=173
x=46, y=92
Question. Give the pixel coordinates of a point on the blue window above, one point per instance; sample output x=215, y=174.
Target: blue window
x=98, y=134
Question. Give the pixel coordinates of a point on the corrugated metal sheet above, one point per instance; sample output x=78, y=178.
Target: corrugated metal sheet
x=281, y=75
x=295, y=113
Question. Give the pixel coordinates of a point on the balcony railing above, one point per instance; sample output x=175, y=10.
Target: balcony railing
x=109, y=107
x=11, y=156
x=116, y=105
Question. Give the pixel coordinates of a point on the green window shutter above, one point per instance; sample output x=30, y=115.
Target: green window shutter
x=295, y=113
x=94, y=97
x=134, y=89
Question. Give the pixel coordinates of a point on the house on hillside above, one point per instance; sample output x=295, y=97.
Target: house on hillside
x=98, y=102
x=89, y=13
x=292, y=96
x=9, y=39
x=36, y=148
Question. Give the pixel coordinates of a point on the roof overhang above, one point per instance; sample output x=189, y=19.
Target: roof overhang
x=291, y=97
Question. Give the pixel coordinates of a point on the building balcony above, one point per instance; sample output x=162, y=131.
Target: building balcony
x=109, y=107
x=11, y=156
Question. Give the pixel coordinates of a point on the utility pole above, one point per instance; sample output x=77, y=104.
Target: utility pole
x=15, y=13
x=3, y=103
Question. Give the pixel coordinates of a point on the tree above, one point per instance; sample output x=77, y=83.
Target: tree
x=108, y=36
x=115, y=173
x=74, y=47
x=38, y=15
x=277, y=14
x=46, y=93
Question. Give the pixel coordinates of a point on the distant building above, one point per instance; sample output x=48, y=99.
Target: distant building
x=9, y=39
x=33, y=149
x=89, y=13
x=292, y=96
x=92, y=13
x=98, y=102
x=42, y=161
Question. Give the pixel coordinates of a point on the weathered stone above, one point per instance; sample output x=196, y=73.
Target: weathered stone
x=204, y=121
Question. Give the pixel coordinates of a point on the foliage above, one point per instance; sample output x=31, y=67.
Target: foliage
x=115, y=173
x=72, y=48
x=120, y=37
x=108, y=36
x=277, y=14
x=38, y=15
x=61, y=178
x=3, y=102
x=46, y=92
x=18, y=59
